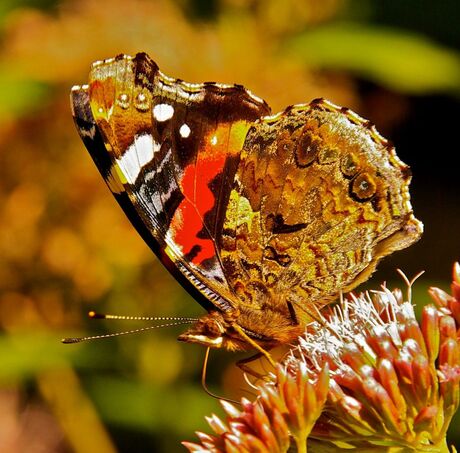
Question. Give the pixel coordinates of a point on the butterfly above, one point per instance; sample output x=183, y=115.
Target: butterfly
x=260, y=217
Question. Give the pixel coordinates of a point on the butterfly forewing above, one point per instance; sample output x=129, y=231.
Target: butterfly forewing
x=168, y=151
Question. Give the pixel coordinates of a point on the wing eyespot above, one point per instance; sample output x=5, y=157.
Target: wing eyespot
x=363, y=187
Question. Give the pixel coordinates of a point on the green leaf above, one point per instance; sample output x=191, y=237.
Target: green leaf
x=396, y=59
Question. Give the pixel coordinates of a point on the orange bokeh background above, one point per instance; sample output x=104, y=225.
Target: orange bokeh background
x=66, y=247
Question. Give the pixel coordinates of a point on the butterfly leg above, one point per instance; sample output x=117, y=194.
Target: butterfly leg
x=243, y=366
x=254, y=344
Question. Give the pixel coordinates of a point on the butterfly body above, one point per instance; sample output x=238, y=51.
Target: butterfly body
x=261, y=217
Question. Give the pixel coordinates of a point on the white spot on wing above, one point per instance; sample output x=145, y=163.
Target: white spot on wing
x=139, y=153
x=214, y=140
x=163, y=112
x=184, y=130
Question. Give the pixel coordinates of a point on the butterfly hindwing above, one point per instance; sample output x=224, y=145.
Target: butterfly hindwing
x=319, y=197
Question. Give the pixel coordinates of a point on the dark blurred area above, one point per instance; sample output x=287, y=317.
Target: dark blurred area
x=66, y=247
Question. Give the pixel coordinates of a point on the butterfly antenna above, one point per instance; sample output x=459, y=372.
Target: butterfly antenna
x=119, y=334
x=94, y=315
x=203, y=381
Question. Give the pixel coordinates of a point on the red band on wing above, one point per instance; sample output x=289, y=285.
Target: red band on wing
x=199, y=200
x=187, y=222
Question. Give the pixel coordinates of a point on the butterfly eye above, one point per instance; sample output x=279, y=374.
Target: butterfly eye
x=306, y=150
x=210, y=328
x=363, y=187
x=349, y=166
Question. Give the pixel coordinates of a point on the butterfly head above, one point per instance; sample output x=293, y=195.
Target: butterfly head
x=216, y=330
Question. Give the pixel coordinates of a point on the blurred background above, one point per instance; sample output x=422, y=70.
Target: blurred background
x=66, y=247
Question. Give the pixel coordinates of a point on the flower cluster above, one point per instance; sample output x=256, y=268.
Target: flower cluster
x=286, y=409
x=366, y=375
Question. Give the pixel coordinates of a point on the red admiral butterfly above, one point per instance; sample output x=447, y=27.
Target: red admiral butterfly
x=261, y=217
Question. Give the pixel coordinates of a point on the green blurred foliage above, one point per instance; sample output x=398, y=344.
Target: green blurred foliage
x=65, y=246
x=20, y=97
x=374, y=52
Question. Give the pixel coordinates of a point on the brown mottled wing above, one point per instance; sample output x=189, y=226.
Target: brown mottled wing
x=318, y=198
x=169, y=150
